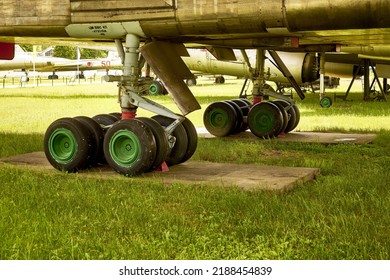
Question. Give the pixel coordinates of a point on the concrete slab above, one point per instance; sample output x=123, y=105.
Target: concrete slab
x=314, y=137
x=244, y=176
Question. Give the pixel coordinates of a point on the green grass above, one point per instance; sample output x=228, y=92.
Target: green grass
x=340, y=215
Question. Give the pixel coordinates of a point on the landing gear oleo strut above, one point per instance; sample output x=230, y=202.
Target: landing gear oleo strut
x=130, y=145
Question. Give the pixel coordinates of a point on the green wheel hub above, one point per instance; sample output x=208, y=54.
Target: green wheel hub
x=125, y=148
x=153, y=89
x=263, y=120
x=62, y=145
x=156, y=88
x=218, y=118
x=326, y=102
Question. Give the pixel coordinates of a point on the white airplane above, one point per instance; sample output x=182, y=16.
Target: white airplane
x=40, y=62
x=304, y=67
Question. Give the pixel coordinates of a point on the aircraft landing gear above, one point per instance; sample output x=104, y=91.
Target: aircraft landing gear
x=265, y=119
x=54, y=76
x=130, y=145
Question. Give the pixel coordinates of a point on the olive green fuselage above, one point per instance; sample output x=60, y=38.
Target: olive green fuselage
x=336, y=21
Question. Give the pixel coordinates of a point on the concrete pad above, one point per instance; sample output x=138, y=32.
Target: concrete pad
x=314, y=137
x=245, y=176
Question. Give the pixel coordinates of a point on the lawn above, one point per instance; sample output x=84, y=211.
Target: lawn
x=340, y=215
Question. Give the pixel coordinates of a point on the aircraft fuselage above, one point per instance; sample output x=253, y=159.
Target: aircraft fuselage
x=230, y=21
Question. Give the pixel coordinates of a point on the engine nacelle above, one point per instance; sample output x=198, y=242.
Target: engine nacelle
x=303, y=66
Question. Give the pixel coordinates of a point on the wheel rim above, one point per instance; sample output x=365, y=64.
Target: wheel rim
x=218, y=118
x=125, y=147
x=62, y=145
x=263, y=121
x=326, y=102
x=155, y=88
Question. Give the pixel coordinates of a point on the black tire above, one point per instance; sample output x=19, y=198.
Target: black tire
x=105, y=120
x=191, y=82
x=265, y=120
x=130, y=147
x=220, y=118
x=297, y=116
x=162, y=144
x=239, y=124
x=192, y=136
x=67, y=144
x=284, y=114
x=244, y=104
x=156, y=88
x=116, y=115
x=179, y=149
x=292, y=116
x=247, y=101
x=97, y=138
x=244, y=108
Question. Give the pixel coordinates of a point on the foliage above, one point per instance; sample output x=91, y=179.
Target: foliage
x=27, y=48
x=71, y=52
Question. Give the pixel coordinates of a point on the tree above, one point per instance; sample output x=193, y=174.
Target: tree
x=71, y=53
x=65, y=52
x=27, y=48
x=90, y=53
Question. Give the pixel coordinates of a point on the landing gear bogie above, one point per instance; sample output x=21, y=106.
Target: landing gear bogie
x=105, y=119
x=265, y=119
x=131, y=146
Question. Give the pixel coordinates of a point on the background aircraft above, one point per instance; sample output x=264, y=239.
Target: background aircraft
x=304, y=67
x=43, y=62
x=157, y=32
